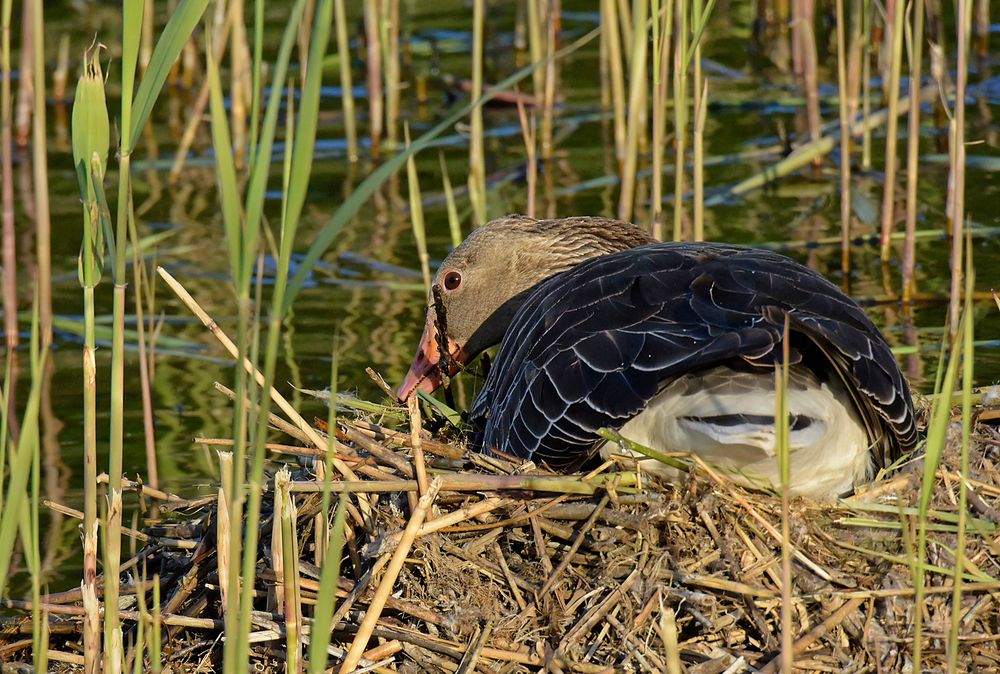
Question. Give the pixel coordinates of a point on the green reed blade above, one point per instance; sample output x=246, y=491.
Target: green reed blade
x=229, y=193
x=326, y=597
x=177, y=31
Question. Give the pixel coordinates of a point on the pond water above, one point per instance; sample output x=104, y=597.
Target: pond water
x=368, y=290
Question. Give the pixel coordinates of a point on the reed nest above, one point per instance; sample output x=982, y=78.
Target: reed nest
x=515, y=568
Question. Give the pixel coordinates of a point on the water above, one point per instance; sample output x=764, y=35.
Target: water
x=368, y=290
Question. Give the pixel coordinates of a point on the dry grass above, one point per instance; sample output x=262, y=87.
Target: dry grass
x=516, y=579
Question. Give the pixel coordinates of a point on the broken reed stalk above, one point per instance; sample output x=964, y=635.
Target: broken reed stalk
x=891, y=132
x=346, y=82
x=845, y=143
x=384, y=589
x=477, y=165
x=916, y=44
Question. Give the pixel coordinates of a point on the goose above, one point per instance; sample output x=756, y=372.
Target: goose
x=673, y=344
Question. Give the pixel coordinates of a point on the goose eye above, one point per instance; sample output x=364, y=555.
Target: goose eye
x=452, y=280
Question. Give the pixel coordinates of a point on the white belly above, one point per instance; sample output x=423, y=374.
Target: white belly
x=726, y=418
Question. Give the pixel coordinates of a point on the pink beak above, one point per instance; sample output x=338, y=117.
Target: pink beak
x=425, y=374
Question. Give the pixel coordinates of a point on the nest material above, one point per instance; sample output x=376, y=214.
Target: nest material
x=625, y=578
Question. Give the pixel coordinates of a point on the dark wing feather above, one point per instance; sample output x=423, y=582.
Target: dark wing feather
x=591, y=347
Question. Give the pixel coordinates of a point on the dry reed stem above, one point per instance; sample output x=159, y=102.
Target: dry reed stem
x=226, y=342
x=577, y=542
x=384, y=589
x=803, y=642
x=418, y=451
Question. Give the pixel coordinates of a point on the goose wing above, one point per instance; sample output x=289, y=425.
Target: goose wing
x=592, y=346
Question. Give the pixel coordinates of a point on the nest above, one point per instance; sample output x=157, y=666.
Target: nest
x=501, y=567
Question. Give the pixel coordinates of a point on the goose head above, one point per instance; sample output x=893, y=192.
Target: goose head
x=482, y=283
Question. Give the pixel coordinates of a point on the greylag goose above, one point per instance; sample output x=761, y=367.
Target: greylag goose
x=672, y=343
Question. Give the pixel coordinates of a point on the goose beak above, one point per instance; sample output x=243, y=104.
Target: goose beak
x=425, y=374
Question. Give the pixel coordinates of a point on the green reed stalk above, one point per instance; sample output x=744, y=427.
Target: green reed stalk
x=417, y=213
x=968, y=361
x=346, y=83
x=91, y=139
x=113, y=646
x=636, y=109
x=155, y=642
x=326, y=597
x=913, y=150
x=9, y=259
x=22, y=459
x=937, y=431
x=956, y=181
x=611, y=32
x=845, y=143
x=477, y=166
x=294, y=201
x=680, y=115
x=242, y=237
x=239, y=241
x=332, y=540
x=662, y=34
x=891, y=137
x=784, y=463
